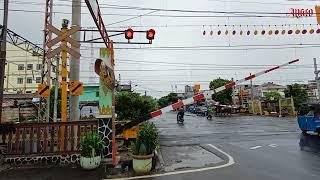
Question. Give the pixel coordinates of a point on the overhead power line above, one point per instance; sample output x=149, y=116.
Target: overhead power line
x=162, y=15
x=112, y=6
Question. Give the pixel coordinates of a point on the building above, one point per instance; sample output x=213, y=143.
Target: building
x=22, y=71
x=242, y=94
x=263, y=89
x=90, y=93
x=312, y=89
x=188, y=92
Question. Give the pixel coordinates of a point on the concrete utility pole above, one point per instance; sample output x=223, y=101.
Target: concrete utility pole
x=233, y=93
x=252, y=97
x=75, y=62
x=56, y=88
x=316, y=72
x=3, y=50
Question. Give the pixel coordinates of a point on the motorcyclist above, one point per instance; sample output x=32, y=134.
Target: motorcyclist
x=209, y=111
x=180, y=113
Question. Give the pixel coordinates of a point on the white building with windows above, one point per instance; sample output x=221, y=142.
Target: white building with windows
x=22, y=72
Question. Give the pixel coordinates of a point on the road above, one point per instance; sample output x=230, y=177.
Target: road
x=262, y=147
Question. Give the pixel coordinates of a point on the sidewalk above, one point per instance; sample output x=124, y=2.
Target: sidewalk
x=187, y=157
x=52, y=173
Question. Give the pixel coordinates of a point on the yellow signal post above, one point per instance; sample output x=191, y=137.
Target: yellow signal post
x=64, y=76
x=63, y=37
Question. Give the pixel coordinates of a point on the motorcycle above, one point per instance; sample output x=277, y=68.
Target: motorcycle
x=209, y=116
x=180, y=119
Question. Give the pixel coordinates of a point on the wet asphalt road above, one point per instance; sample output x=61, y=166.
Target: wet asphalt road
x=263, y=148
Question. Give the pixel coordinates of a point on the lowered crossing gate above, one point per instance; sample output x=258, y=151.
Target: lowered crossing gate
x=206, y=94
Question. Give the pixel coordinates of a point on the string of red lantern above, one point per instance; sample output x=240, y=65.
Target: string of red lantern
x=264, y=32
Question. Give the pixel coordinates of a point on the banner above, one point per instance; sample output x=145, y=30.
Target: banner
x=104, y=68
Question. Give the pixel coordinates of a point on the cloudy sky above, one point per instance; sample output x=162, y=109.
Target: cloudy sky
x=180, y=53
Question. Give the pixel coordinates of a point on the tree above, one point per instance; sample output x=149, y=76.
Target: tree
x=167, y=100
x=130, y=106
x=225, y=96
x=298, y=94
x=52, y=102
x=273, y=96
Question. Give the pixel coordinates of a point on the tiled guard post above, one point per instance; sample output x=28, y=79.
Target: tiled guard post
x=104, y=67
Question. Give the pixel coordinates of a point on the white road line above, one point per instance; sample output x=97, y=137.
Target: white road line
x=255, y=147
x=272, y=145
x=230, y=162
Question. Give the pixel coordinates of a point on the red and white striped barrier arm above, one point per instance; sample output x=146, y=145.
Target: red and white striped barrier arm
x=208, y=94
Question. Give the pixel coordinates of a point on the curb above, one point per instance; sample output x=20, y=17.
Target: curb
x=160, y=158
x=216, y=152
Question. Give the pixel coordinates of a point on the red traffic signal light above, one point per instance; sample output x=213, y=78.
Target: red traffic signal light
x=129, y=34
x=150, y=34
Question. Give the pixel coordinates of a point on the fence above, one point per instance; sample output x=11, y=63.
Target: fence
x=44, y=138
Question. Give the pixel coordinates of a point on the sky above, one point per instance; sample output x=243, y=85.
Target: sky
x=180, y=54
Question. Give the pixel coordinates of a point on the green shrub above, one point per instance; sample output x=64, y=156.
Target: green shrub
x=91, y=145
x=130, y=106
x=147, y=140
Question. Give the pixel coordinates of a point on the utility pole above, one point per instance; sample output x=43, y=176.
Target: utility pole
x=75, y=62
x=316, y=72
x=25, y=73
x=56, y=88
x=46, y=74
x=233, y=93
x=3, y=50
x=252, y=97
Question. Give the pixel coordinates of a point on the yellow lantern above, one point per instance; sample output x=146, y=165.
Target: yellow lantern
x=311, y=31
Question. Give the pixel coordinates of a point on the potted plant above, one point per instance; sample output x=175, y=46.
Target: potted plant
x=143, y=148
x=91, y=147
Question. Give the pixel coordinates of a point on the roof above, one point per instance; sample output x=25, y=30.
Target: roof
x=20, y=96
x=271, y=85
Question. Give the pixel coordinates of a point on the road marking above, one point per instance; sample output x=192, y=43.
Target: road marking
x=230, y=162
x=272, y=145
x=255, y=147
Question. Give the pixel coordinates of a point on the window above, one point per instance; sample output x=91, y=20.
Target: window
x=19, y=80
x=30, y=67
x=38, y=79
x=20, y=66
x=29, y=80
x=38, y=66
x=97, y=93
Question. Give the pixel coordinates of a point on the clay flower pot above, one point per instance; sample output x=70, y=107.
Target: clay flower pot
x=90, y=163
x=142, y=164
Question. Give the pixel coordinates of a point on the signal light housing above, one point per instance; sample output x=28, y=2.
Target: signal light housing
x=129, y=34
x=150, y=34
